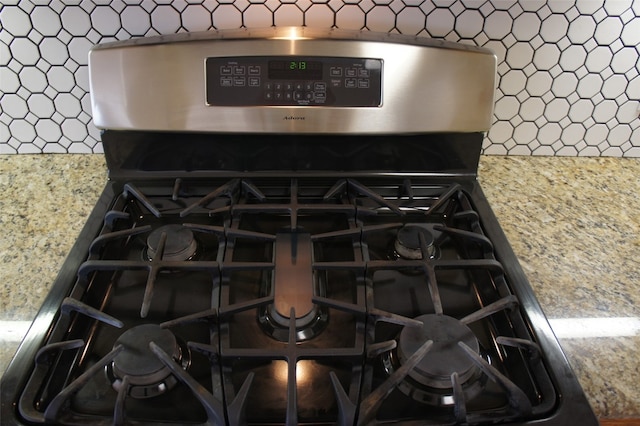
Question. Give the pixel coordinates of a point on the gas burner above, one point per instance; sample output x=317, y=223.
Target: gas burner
x=445, y=357
x=307, y=327
x=430, y=381
x=147, y=374
x=407, y=243
x=180, y=245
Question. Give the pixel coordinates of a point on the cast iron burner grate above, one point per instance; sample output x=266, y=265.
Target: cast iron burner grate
x=286, y=300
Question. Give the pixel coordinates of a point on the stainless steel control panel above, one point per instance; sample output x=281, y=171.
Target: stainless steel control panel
x=294, y=81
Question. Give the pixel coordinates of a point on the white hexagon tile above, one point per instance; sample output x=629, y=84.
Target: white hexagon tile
x=568, y=73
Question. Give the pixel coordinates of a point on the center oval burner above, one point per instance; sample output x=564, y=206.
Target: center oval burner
x=445, y=356
x=180, y=244
x=294, y=287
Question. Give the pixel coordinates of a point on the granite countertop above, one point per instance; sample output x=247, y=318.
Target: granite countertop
x=574, y=223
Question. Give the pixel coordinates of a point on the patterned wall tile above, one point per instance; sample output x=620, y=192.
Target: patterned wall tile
x=568, y=73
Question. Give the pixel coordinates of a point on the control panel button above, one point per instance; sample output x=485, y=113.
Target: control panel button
x=351, y=72
x=351, y=83
x=226, y=70
x=226, y=81
x=239, y=81
x=363, y=83
x=254, y=81
x=335, y=71
x=254, y=70
x=239, y=70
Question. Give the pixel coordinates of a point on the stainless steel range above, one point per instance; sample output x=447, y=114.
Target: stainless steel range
x=292, y=233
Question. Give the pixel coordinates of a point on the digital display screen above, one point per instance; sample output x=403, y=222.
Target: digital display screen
x=295, y=69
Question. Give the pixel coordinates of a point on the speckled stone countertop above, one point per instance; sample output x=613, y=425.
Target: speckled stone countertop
x=574, y=223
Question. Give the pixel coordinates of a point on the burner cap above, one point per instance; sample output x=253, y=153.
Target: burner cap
x=445, y=356
x=407, y=242
x=148, y=376
x=180, y=245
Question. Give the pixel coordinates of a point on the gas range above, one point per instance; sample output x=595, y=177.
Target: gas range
x=291, y=235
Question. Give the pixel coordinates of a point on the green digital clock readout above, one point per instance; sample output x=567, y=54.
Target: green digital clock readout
x=297, y=65
x=295, y=69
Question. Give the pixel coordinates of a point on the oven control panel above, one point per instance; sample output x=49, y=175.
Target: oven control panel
x=293, y=81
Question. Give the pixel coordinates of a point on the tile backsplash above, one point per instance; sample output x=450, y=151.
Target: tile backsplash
x=569, y=74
